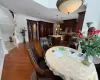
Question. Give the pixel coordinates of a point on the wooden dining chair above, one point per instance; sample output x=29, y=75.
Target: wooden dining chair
x=98, y=70
x=71, y=45
x=44, y=44
x=44, y=40
x=39, y=65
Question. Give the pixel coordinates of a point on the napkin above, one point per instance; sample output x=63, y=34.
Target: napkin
x=58, y=54
x=61, y=48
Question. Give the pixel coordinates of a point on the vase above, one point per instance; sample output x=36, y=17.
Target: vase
x=88, y=60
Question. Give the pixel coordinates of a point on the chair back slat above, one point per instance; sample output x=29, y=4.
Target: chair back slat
x=34, y=59
x=34, y=52
x=44, y=41
x=44, y=44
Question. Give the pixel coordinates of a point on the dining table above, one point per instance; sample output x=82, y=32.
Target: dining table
x=67, y=63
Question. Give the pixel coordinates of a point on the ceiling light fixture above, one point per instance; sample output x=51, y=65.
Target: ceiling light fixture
x=68, y=6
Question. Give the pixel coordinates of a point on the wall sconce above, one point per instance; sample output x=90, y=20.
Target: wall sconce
x=56, y=29
x=60, y=29
x=89, y=24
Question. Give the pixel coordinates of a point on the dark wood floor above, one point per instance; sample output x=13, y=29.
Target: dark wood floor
x=17, y=65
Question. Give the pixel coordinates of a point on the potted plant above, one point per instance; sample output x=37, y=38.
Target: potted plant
x=23, y=34
x=90, y=45
x=10, y=38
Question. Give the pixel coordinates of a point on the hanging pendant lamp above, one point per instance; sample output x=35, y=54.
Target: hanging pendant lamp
x=68, y=6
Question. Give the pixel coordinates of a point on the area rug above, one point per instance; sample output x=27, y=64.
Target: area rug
x=9, y=45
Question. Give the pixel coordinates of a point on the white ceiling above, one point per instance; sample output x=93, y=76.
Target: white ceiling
x=47, y=3
x=31, y=8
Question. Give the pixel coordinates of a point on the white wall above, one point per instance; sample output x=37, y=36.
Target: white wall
x=92, y=14
x=6, y=23
x=21, y=21
x=6, y=36
x=3, y=51
x=7, y=12
x=2, y=43
x=0, y=34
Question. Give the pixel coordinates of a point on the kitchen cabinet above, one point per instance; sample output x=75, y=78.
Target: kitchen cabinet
x=80, y=20
x=69, y=24
x=45, y=29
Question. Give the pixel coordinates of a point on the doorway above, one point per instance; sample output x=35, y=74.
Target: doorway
x=32, y=30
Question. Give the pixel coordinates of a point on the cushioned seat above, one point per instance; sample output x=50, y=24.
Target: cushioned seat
x=58, y=78
x=42, y=64
x=44, y=44
x=45, y=47
x=98, y=69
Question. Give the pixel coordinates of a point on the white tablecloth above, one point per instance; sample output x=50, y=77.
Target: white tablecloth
x=69, y=68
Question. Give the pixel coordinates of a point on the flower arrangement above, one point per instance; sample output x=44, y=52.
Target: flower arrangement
x=90, y=44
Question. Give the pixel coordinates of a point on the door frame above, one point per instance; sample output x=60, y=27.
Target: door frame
x=31, y=22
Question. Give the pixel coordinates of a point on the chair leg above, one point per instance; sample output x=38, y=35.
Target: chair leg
x=37, y=76
x=53, y=78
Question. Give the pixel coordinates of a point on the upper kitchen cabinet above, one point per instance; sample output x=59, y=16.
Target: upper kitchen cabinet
x=80, y=20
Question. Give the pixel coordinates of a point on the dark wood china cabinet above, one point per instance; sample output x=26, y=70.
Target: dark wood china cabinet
x=45, y=29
